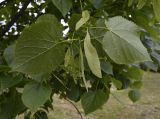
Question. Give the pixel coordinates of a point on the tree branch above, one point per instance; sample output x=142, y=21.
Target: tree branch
x=3, y=3
x=16, y=17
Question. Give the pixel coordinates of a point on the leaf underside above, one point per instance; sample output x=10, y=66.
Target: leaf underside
x=122, y=44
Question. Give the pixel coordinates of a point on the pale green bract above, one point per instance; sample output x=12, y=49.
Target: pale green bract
x=121, y=42
x=83, y=20
x=92, y=56
x=39, y=49
x=82, y=68
x=141, y=3
x=130, y=2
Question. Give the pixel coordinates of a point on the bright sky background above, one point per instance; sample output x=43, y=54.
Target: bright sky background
x=62, y=21
x=1, y=0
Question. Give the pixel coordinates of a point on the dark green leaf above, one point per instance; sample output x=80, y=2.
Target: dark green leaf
x=39, y=49
x=8, y=81
x=136, y=85
x=35, y=95
x=97, y=3
x=40, y=77
x=141, y=3
x=74, y=93
x=117, y=83
x=4, y=68
x=72, y=22
x=92, y=101
x=9, y=55
x=107, y=67
x=144, y=21
x=133, y=73
x=130, y=2
x=156, y=4
x=63, y=5
x=11, y=105
x=134, y=95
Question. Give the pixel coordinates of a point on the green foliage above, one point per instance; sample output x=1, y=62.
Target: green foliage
x=109, y=42
x=97, y=3
x=156, y=4
x=92, y=56
x=83, y=20
x=134, y=95
x=107, y=67
x=11, y=105
x=63, y=5
x=38, y=46
x=141, y=4
x=9, y=55
x=41, y=95
x=91, y=101
x=8, y=81
x=121, y=42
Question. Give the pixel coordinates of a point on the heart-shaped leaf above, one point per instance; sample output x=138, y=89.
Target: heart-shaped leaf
x=122, y=44
x=39, y=48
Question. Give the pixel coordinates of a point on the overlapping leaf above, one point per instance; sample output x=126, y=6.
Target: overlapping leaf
x=97, y=3
x=63, y=5
x=156, y=7
x=11, y=105
x=9, y=55
x=92, y=101
x=141, y=3
x=134, y=95
x=83, y=20
x=92, y=56
x=39, y=48
x=122, y=44
x=35, y=95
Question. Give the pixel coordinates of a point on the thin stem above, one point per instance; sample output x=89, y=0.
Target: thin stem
x=75, y=40
x=75, y=108
x=97, y=37
x=81, y=5
x=60, y=80
x=98, y=28
x=97, y=85
x=117, y=98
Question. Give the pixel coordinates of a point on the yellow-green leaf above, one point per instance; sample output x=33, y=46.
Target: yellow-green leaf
x=82, y=69
x=156, y=7
x=92, y=56
x=141, y=3
x=83, y=20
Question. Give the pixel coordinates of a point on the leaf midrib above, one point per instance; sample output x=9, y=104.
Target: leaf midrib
x=38, y=55
x=126, y=42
